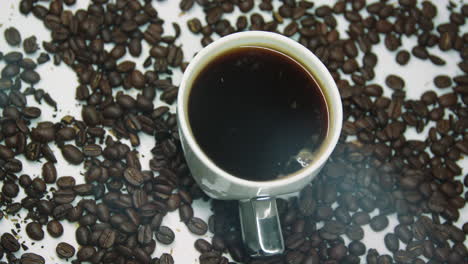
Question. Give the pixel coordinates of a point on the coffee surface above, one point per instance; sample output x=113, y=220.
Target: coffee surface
x=257, y=113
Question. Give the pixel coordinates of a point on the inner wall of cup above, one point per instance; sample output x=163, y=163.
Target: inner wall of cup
x=308, y=64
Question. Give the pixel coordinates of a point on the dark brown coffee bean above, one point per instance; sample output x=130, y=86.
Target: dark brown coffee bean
x=65, y=250
x=90, y=116
x=66, y=182
x=392, y=42
x=72, y=154
x=197, y=226
x=12, y=36
x=166, y=259
x=92, y=150
x=420, y=52
x=34, y=231
x=185, y=212
x=403, y=57
x=165, y=235
x=9, y=243
x=6, y=153
x=403, y=233
x=446, y=41
x=107, y=238
x=379, y=223
x=30, y=45
x=194, y=25
x=55, y=228
x=133, y=176
x=395, y=82
x=49, y=172
x=442, y=81
x=186, y=5
x=350, y=66
x=145, y=234
x=85, y=253
x=361, y=218
x=357, y=248
x=448, y=100
x=338, y=251
x=32, y=258
x=10, y=71
x=391, y=242
x=202, y=246
x=31, y=112
x=30, y=76
x=82, y=235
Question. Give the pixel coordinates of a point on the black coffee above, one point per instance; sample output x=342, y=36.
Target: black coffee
x=257, y=113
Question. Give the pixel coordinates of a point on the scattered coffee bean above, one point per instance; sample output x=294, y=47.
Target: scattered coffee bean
x=165, y=235
x=395, y=82
x=55, y=228
x=403, y=57
x=32, y=258
x=197, y=226
x=65, y=250
x=442, y=81
x=12, y=36
x=34, y=231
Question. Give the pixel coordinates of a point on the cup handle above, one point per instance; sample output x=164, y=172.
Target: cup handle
x=261, y=229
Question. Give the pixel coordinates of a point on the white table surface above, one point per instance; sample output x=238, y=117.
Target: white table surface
x=61, y=82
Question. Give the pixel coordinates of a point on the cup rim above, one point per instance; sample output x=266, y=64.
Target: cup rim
x=260, y=38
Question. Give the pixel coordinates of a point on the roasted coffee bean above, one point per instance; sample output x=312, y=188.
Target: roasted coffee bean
x=361, y=218
x=166, y=236
x=72, y=154
x=55, y=228
x=31, y=112
x=82, y=235
x=354, y=232
x=10, y=71
x=420, y=52
x=403, y=233
x=384, y=259
x=34, y=231
x=66, y=182
x=12, y=36
x=166, y=259
x=107, y=238
x=85, y=253
x=391, y=242
x=357, y=248
x=197, y=226
x=92, y=150
x=379, y=222
x=32, y=258
x=403, y=57
x=185, y=213
x=49, y=172
x=65, y=250
x=133, y=176
x=9, y=242
x=10, y=189
x=30, y=45
x=202, y=246
x=442, y=81
x=145, y=234
x=30, y=76
x=338, y=251
x=395, y=82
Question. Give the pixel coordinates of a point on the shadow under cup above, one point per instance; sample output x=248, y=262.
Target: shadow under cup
x=259, y=218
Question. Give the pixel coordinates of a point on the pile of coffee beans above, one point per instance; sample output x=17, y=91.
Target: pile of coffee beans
x=373, y=173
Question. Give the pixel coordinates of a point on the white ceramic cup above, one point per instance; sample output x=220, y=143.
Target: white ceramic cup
x=260, y=224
